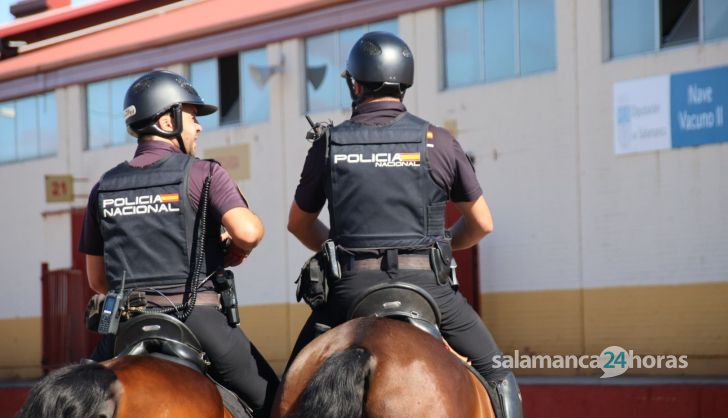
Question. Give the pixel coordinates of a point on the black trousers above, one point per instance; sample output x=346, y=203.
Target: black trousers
x=461, y=325
x=236, y=363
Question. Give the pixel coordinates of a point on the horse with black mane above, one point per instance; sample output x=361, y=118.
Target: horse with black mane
x=159, y=372
x=375, y=367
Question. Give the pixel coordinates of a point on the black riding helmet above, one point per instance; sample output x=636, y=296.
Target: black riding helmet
x=156, y=93
x=382, y=63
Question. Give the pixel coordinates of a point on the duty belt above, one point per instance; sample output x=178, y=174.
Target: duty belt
x=203, y=298
x=378, y=262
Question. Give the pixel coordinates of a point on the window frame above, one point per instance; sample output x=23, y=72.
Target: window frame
x=341, y=90
x=518, y=71
x=242, y=74
x=129, y=139
x=39, y=128
x=657, y=40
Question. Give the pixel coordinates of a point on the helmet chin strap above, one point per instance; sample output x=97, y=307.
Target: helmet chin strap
x=176, y=114
x=367, y=94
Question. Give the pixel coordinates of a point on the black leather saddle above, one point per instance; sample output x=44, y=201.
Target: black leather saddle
x=161, y=336
x=399, y=300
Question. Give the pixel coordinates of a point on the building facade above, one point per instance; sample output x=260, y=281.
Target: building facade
x=608, y=231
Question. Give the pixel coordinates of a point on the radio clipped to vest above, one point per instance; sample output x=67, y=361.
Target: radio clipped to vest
x=111, y=312
x=318, y=129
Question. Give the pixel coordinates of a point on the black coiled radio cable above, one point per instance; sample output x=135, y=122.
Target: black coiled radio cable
x=184, y=310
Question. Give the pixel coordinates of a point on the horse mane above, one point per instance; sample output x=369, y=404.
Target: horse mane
x=338, y=388
x=74, y=391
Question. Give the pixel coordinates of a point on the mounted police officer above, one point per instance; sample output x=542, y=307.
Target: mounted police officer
x=146, y=217
x=387, y=176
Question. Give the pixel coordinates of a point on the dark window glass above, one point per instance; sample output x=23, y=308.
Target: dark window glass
x=228, y=72
x=679, y=22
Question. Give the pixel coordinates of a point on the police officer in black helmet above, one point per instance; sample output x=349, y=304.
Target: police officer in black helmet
x=391, y=208
x=133, y=231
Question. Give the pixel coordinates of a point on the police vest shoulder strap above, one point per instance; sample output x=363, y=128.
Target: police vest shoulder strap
x=326, y=136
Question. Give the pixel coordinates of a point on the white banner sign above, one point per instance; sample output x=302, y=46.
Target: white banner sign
x=642, y=115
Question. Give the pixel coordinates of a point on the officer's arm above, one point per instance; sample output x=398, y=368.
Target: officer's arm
x=96, y=273
x=475, y=223
x=245, y=228
x=306, y=227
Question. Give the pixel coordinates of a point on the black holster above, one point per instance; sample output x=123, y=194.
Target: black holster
x=312, y=286
x=93, y=311
x=224, y=282
x=440, y=258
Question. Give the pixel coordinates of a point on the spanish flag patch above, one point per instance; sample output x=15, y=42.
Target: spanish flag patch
x=169, y=197
x=409, y=156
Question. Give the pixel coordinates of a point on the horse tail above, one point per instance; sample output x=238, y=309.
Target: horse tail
x=337, y=390
x=74, y=391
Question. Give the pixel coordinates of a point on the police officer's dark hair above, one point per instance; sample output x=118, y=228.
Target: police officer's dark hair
x=382, y=63
x=155, y=94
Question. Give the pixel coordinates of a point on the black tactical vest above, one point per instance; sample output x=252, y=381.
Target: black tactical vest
x=380, y=191
x=148, y=224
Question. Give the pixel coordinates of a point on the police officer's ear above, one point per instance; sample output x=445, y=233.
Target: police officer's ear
x=358, y=88
x=166, y=122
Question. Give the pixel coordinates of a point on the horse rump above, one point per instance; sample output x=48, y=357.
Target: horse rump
x=74, y=391
x=337, y=389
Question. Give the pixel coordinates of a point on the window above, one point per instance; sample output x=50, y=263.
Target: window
x=207, y=87
x=29, y=128
x=715, y=19
x=678, y=22
x=633, y=27
x=649, y=25
x=326, y=56
x=488, y=40
x=105, y=112
x=233, y=83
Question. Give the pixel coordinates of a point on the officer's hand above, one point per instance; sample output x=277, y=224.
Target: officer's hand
x=234, y=255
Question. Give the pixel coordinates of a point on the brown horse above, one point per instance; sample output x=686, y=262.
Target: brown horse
x=125, y=387
x=378, y=367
